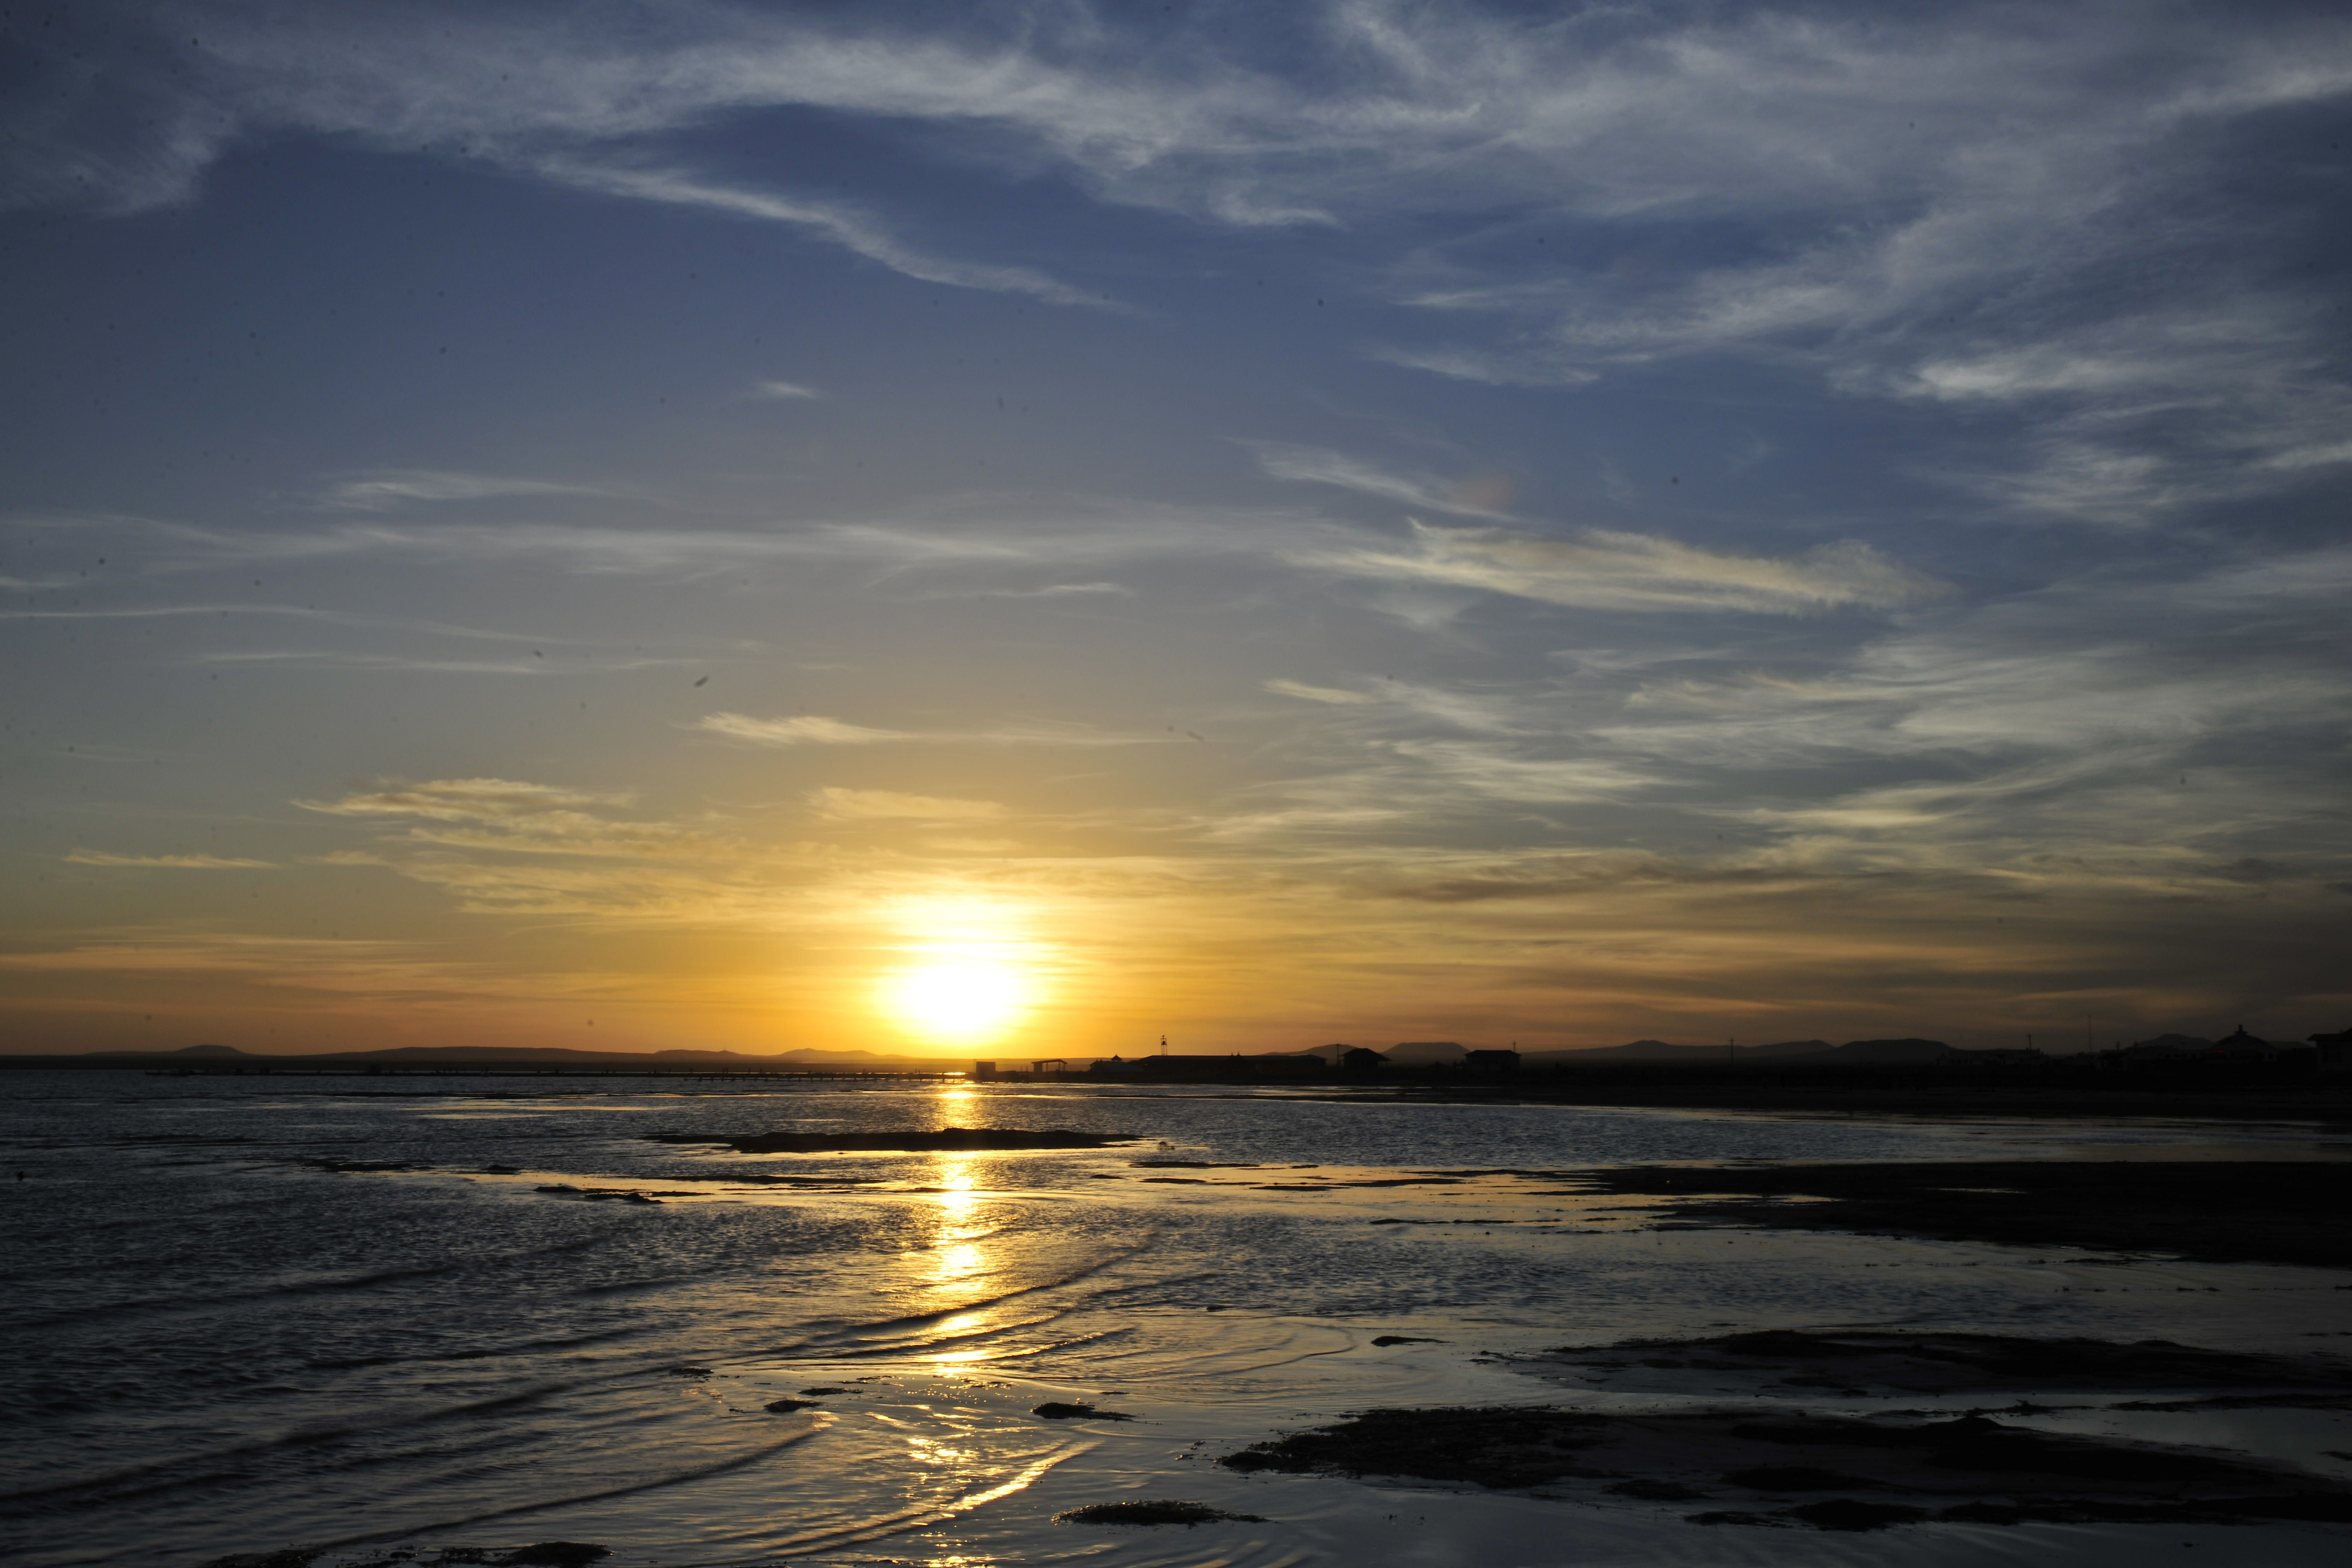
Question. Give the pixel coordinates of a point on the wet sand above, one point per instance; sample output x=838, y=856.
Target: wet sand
x=946, y=1356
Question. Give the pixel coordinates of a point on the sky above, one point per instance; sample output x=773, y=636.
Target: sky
x=1019, y=530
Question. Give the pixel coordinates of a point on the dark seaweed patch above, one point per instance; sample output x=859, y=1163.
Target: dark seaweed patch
x=1969, y=1469
x=906, y=1140
x=1163, y=1511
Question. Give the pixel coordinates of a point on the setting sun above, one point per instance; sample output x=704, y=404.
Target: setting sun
x=964, y=999
x=967, y=971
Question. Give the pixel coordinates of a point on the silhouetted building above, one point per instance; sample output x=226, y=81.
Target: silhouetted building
x=2335, y=1054
x=1210, y=1068
x=1492, y=1061
x=2241, y=1044
x=2169, y=1046
x=1361, y=1059
x=1998, y=1057
x=2239, y=1051
x=981, y=1072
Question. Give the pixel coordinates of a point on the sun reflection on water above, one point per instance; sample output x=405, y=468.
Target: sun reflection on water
x=957, y=1252
x=957, y=1228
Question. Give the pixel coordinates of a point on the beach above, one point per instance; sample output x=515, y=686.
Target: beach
x=330, y=1322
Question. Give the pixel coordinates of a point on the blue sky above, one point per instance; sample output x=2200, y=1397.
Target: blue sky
x=652, y=525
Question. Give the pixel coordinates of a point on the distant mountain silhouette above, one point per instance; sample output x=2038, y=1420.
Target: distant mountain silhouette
x=557, y=1056
x=2165, y=1045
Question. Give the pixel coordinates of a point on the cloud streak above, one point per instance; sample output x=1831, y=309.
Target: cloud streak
x=813, y=730
x=1486, y=496
x=169, y=862
x=392, y=489
x=856, y=232
x=808, y=730
x=841, y=805
x=1609, y=569
x=1283, y=686
x=1938, y=204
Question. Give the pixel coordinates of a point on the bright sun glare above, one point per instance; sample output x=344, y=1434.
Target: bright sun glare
x=960, y=999
x=968, y=971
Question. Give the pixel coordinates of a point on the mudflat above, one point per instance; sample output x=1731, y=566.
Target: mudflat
x=2213, y=1211
x=1940, y=1363
x=1809, y=1094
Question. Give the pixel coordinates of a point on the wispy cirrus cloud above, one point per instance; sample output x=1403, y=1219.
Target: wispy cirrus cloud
x=1050, y=533
x=1912, y=203
x=169, y=862
x=854, y=230
x=815, y=730
x=1334, y=696
x=390, y=490
x=838, y=804
x=1485, y=495
x=806, y=729
x=293, y=961
x=1608, y=570
x=528, y=667
x=562, y=100
x=520, y=817
x=463, y=800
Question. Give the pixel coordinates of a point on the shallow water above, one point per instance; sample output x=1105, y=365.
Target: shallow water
x=222, y=1348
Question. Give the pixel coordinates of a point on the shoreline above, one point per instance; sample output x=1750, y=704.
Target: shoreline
x=1853, y=1091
